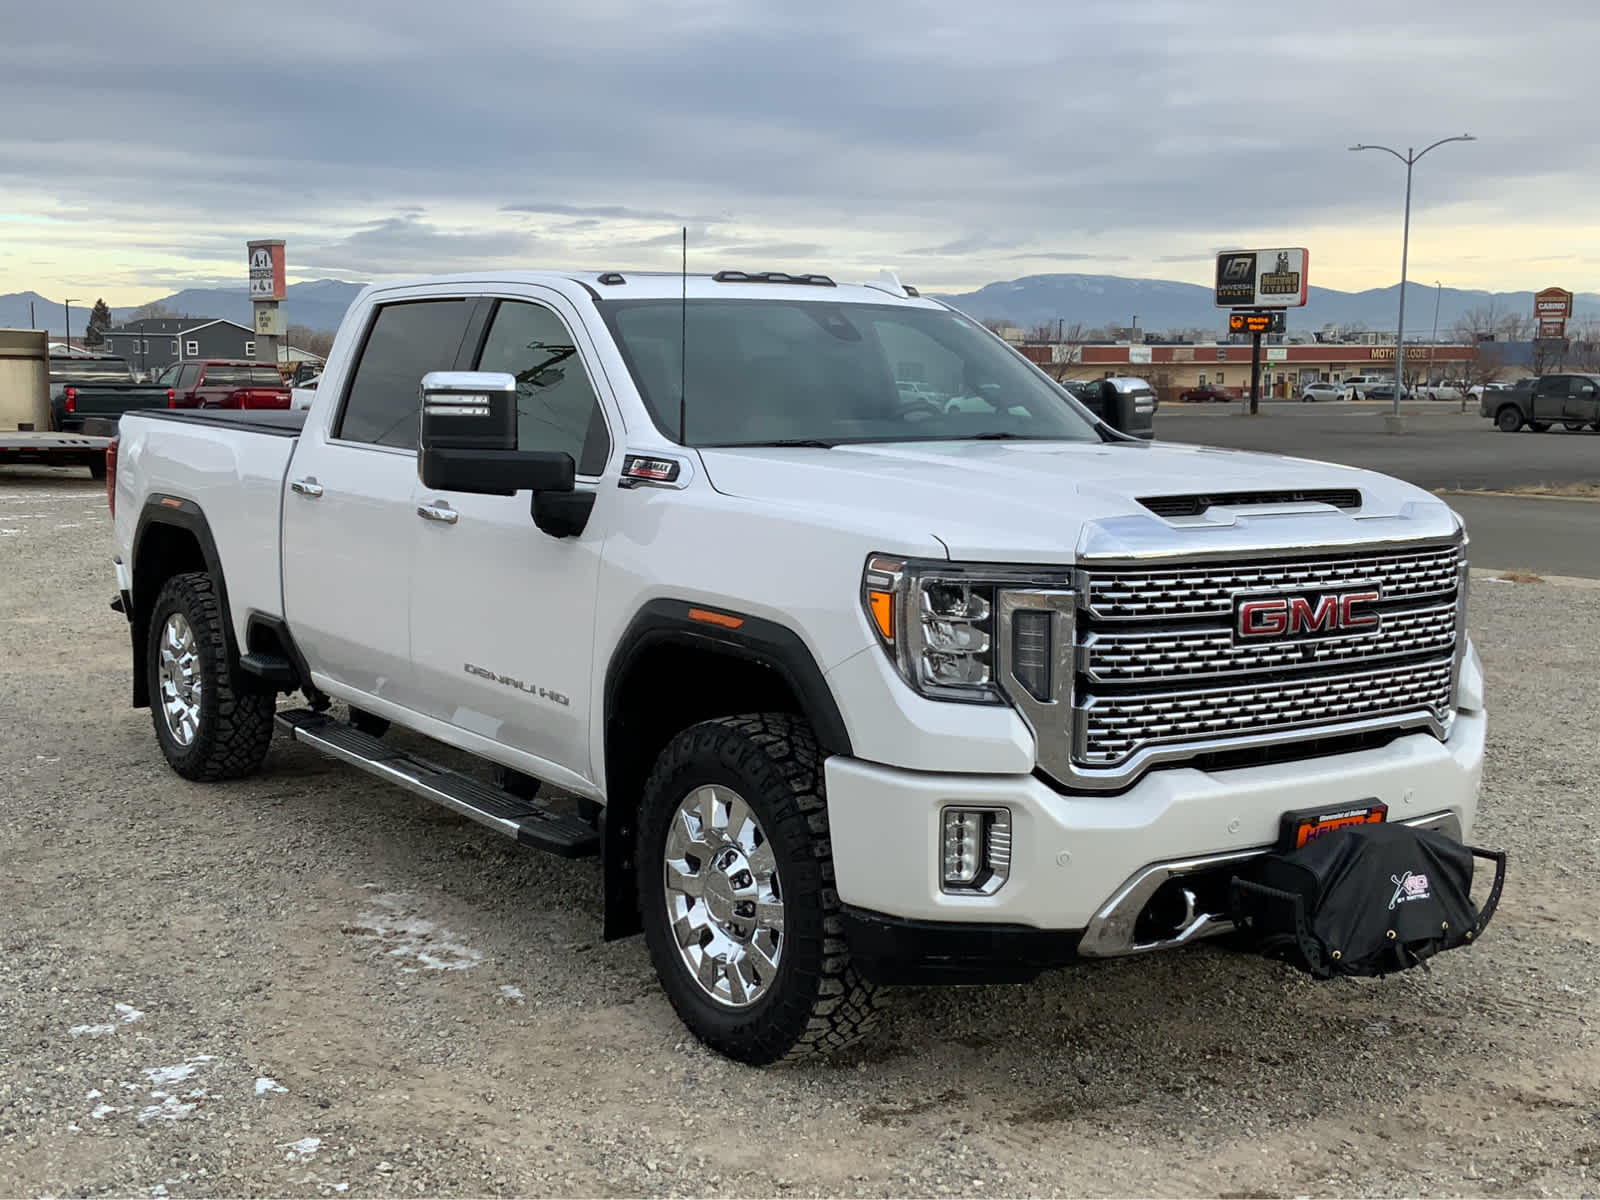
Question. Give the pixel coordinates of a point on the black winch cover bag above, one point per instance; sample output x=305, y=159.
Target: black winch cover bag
x=1372, y=899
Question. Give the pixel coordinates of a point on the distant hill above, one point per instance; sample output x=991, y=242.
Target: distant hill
x=319, y=305
x=1096, y=301
x=1113, y=300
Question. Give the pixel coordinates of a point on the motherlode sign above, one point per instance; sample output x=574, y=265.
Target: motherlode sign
x=1261, y=278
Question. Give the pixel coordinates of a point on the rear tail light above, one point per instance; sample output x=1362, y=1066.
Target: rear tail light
x=71, y=395
x=172, y=398
x=111, y=476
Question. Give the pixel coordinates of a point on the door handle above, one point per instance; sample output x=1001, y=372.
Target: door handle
x=307, y=486
x=439, y=511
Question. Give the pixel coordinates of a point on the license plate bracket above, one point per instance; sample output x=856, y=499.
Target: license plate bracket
x=1304, y=825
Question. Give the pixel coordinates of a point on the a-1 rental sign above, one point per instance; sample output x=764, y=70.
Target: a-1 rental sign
x=1262, y=278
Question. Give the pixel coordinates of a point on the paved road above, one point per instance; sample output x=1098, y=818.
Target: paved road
x=1442, y=447
x=1549, y=537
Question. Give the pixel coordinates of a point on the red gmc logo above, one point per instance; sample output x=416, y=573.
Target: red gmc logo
x=1305, y=616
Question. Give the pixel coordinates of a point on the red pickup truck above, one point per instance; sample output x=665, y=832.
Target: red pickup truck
x=225, y=383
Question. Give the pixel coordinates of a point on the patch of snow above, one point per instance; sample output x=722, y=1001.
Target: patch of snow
x=92, y=1094
x=170, y=1109
x=71, y=525
x=127, y=1013
x=43, y=759
x=341, y=1187
x=510, y=991
x=91, y=1030
x=409, y=936
x=265, y=1085
x=102, y=1111
x=160, y=1189
x=10, y=532
x=163, y=1075
x=73, y=1128
x=302, y=1151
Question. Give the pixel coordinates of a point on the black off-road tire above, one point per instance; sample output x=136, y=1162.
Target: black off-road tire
x=1508, y=419
x=1539, y=426
x=235, y=722
x=817, y=1002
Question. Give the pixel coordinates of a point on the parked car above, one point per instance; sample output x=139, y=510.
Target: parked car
x=1383, y=391
x=226, y=383
x=84, y=389
x=1321, y=389
x=1359, y=386
x=1205, y=393
x=1445, y=390
x=839, y=693
x=1569, y=400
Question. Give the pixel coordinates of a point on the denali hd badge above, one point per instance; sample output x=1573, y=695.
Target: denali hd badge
x=1293, y=618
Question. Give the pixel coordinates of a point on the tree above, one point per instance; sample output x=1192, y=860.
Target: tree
x=99, y=321
x=154, y=309
x=303, y=337
x=1067, y=352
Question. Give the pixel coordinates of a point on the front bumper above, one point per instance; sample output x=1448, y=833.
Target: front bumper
x=1073, y=856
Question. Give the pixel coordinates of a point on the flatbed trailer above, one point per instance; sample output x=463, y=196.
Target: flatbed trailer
x=26, y=447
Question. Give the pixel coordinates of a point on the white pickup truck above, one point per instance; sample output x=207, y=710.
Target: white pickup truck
x=846, y=683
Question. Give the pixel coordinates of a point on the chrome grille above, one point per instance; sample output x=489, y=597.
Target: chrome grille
x=1112, y=728
x=1120, y=656
x=1207, y=590
x=1159, y=674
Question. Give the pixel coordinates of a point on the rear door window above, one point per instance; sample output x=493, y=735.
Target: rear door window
x=406, y=341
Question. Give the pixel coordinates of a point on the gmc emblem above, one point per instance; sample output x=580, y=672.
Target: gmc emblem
x=1294, y=617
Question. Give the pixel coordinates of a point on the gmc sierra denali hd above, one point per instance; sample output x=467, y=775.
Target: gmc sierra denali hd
x=846, y=683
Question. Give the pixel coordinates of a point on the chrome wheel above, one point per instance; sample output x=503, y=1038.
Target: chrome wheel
x=724, y=900
x=178, y=673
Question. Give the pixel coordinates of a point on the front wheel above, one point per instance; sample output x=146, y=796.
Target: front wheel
x=1508, y=420
x=210, y=718
x=736, y=889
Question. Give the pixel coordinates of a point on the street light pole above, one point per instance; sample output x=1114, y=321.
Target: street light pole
x=68, y=303
x=1410, y=158
x=1438, y=292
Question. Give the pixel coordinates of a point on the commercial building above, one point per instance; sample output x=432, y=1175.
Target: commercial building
x=1284, y=369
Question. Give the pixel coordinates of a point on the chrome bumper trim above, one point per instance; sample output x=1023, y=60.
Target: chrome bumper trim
x=1110, y=931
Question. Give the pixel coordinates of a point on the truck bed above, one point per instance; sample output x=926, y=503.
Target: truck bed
x=232, y=465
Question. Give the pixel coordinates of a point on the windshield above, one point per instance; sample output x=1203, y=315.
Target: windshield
x=776, y=371
x=114, y=370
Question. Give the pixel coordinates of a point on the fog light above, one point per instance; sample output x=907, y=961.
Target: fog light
x=976, y=849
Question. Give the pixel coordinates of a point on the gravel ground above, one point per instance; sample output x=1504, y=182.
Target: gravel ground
x=309, y=984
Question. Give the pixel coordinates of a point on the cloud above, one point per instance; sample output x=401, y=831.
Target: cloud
x=1141, y=132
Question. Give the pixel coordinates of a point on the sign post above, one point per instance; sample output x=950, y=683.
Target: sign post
x=1257, y=285
x=1551, y=309
x=266, y=290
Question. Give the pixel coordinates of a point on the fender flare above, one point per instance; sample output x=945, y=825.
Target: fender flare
x=179, y=513
x=715, y=630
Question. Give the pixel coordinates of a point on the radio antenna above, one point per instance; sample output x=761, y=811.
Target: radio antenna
x=683, y=344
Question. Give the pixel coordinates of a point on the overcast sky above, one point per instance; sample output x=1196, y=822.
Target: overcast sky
x=958, y=143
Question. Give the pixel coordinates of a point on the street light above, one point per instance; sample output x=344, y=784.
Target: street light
x=68, y=303
x=1410, y=158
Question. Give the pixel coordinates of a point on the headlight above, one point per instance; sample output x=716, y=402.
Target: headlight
x=972, y=632
x=936, y=622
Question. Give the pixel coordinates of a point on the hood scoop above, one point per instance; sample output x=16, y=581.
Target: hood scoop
x=1195, y=504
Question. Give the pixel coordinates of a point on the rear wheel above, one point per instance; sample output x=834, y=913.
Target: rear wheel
x=737, y=893
x=211, y=719
x=1508, y=419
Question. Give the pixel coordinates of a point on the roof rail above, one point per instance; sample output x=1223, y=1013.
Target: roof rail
x=772, y=277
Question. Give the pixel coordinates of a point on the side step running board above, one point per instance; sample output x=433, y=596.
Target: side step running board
x=527, y=821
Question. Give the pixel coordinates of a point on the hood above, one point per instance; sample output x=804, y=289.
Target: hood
x=1062, y=502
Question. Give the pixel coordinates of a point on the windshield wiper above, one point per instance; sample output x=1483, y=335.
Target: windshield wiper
x=814, y=443
x=998, y=436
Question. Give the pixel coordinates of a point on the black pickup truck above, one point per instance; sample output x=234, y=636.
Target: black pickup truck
x=103, y=387
x=1569, y=400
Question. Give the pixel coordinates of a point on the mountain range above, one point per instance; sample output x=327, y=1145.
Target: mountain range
x=1095, y=301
